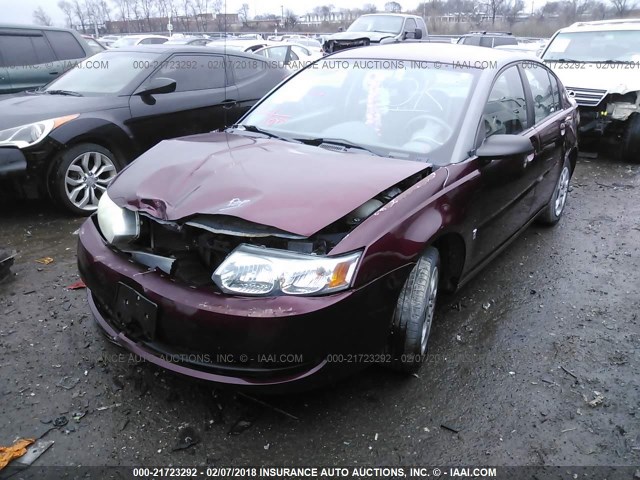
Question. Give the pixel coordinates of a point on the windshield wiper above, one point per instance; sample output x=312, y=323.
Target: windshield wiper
x=63, y=92
x=565, y=60
x=254, y=129
x=337, y=141
x=616, y=61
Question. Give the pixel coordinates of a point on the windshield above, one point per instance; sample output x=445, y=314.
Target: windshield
x=377, y=23
x=125, y=42
x=614, y=45
x=386, y=107
x=105, y=73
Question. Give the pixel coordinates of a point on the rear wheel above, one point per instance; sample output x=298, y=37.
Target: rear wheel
x=553, y=211
x=631, y=140
x=414, y=314
x=82, y=175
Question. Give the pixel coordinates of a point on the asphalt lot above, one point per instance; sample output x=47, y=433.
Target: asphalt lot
x=516, y=359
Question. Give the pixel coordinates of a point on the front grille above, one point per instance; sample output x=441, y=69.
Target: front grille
x=586, y=97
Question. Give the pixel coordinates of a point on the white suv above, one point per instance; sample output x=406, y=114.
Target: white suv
x=599, y=64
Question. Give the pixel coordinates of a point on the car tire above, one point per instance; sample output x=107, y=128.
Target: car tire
x=631, y=140
x=80, y=175
x=553, y=210
x=414, y=314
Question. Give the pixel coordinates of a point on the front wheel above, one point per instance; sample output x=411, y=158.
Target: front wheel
x=553, y=211
x=82, y=175
x=414, y=314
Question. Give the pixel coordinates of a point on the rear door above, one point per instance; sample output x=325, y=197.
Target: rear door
x=550, y=121
x=29, y=58
x=253, y=79
x=66, y=48
x=197, y=106
x=503, y=199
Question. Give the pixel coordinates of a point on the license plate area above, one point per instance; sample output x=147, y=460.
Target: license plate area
x=135, y=314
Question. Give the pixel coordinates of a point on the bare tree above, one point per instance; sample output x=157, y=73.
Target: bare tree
x=243, y=14
x=81, y=14
x=290, y=19
x=393, y=7
x=147, y=7
x=369, y=8
x=623, y=7
x=495, y=7
x=67, y=9
x=40, y=17
x=512, y=10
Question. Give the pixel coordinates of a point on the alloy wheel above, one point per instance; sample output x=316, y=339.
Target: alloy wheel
x=87, y=178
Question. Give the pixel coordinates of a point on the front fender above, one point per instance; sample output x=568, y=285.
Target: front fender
x=398, y=232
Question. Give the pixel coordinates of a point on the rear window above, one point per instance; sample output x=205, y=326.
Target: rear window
x=65, y=45
x=471, y=41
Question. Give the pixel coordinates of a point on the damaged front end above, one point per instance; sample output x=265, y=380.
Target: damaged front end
x=332, y=46
x=600, y=112
x=190, y=250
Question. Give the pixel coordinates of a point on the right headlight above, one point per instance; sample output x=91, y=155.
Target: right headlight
x=251, y=270
x=117, y=224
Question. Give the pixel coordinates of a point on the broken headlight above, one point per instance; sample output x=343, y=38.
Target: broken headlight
x=117, y=224
x=251, y=270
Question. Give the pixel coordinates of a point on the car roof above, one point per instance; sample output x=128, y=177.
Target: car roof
x=142, y=35
x=604, y=25
x=383, y=14
x=440, y=52
x=34, y=27
x=175, y=48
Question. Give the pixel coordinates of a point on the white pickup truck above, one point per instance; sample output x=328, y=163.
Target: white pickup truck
x=599, y=64
x=377, y=28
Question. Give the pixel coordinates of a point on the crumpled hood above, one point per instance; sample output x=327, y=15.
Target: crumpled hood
x=372, y=36
x=294, y=187
x=614, y=78
x=31, y=107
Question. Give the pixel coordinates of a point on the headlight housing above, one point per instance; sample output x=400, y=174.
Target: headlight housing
x=31, y=133
x=257, y=271
x=118, y=225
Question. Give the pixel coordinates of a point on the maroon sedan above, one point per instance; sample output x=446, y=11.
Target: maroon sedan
x=315, y=234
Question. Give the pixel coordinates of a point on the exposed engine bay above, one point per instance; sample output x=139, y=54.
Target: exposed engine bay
x=614, y=108
x=190, y=250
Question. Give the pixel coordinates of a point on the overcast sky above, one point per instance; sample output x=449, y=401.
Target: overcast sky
x=21, y=11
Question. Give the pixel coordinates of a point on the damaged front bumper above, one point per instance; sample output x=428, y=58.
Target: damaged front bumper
x=200, y=332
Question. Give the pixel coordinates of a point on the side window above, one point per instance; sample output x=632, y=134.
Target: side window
x=145, y=41
x=486, y=42
x=193, y=72
x=245, y=69
x=157, y=41
x=541, y=91
x=472, y=41
x=506, y=109
x=43, y=50
x=65, y=45
x=18, y=50
x=410, y=25
x=557, y=102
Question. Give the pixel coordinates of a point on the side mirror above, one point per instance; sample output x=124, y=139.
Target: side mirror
x=497, y=146
x=158, y=85
x=418, y=34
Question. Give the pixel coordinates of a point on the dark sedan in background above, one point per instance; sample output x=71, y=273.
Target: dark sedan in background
x=68, y=140
x=316, y=234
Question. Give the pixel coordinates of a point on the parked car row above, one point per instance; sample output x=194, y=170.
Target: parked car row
x=68, y=140
x=275, y=225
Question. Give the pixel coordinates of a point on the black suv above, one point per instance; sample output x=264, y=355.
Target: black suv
x=488, y=39
x=32, y=56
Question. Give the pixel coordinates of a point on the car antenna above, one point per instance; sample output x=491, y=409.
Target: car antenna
x=225, y=60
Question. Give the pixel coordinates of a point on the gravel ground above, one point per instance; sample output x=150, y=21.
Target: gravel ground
x=534, y=362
